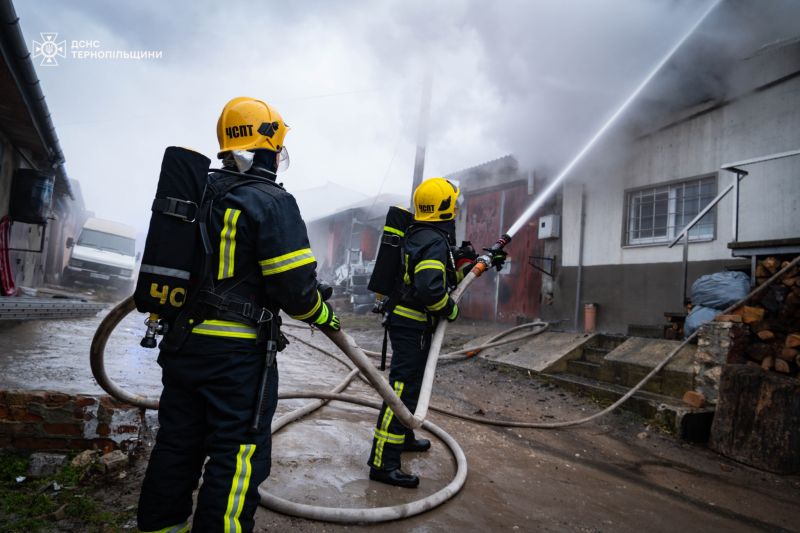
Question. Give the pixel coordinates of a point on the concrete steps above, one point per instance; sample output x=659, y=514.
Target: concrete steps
x=636, y=357
x=608, y=366
x=595, y=354
x=623, y=362
x=693, y=425
x=585, y=369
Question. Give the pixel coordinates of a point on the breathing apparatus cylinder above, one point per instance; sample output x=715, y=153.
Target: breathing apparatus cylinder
x=389, y=260
x=173, y=240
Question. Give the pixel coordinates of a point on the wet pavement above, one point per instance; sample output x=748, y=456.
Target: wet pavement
x=54, y=355
x=618, y=474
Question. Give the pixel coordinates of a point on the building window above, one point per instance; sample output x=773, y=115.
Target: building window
x=657, y=214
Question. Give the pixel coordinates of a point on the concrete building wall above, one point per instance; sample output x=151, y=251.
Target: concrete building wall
x=768, y=207
x=637, y=284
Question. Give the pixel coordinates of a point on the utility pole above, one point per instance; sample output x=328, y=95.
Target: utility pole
x=422, y=131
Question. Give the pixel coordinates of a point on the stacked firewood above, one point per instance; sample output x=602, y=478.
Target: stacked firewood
x=774, y=319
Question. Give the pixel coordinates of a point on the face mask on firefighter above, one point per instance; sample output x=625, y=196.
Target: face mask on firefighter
x=243, y=159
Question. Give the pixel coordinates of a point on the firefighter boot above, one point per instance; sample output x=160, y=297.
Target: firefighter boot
x=413, y=444
x=394, y=477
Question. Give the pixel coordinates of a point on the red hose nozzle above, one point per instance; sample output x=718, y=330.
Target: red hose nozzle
x=485, y=261
x=500, y=244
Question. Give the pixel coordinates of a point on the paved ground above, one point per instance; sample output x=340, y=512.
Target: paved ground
x=616, y=475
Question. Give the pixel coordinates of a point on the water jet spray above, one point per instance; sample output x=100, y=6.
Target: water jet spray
x=551, y=188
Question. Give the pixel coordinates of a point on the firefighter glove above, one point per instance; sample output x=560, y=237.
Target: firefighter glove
x=454, y=313
x=327, y=318
x=498, y=258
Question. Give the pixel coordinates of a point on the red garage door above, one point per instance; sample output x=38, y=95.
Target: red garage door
x=514, y=292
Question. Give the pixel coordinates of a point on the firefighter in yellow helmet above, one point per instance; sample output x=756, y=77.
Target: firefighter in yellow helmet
x=211, y=406
x=249, y=132
x=431, y=268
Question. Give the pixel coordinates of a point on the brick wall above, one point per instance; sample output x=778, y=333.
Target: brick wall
x=45, y=420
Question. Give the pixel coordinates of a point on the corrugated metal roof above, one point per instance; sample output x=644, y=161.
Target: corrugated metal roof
x=24, y=115
x=506, y=161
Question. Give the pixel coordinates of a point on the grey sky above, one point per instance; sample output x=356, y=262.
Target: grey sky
x=529, y=77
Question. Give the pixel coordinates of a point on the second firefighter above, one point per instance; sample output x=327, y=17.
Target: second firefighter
x=431, y=268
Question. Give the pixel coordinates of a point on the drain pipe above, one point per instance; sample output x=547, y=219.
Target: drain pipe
x=579, y=280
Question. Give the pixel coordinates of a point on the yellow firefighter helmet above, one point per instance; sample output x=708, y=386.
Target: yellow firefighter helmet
x=435, y=200
x=250, y=124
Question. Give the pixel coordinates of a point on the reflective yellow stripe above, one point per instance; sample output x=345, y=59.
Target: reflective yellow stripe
x=282, y=263
x=227, y=243
x=179, y=528
x=410, y=313
x=313, y=309
x=391, y=438
x=239, y=486
x=440, y=304
x=224, y=328
x=389, y=229
x=323, y=316
x=429, y=263
x=454, y=312
x=387, y=419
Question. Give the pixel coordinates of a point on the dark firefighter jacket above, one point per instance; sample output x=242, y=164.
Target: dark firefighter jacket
x=428, y=275
x=261, y=254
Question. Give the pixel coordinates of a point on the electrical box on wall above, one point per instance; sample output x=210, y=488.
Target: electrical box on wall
x=550, y=227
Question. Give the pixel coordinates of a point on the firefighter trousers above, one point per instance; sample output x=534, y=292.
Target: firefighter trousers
x=410, y=343
x=205, y=411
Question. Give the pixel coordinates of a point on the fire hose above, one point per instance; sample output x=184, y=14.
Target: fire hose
x=414, y=420
x=275, y=503
x=364, y=367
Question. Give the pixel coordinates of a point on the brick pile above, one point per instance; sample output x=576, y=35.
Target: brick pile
x=44, y=420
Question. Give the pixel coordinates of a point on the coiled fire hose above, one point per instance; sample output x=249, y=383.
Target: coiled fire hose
x=370, y=373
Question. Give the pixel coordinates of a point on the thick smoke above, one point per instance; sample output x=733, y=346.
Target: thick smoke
x=535, y=78
x=545, y=75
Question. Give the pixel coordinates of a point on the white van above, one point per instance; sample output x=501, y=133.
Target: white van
x=104, y=256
